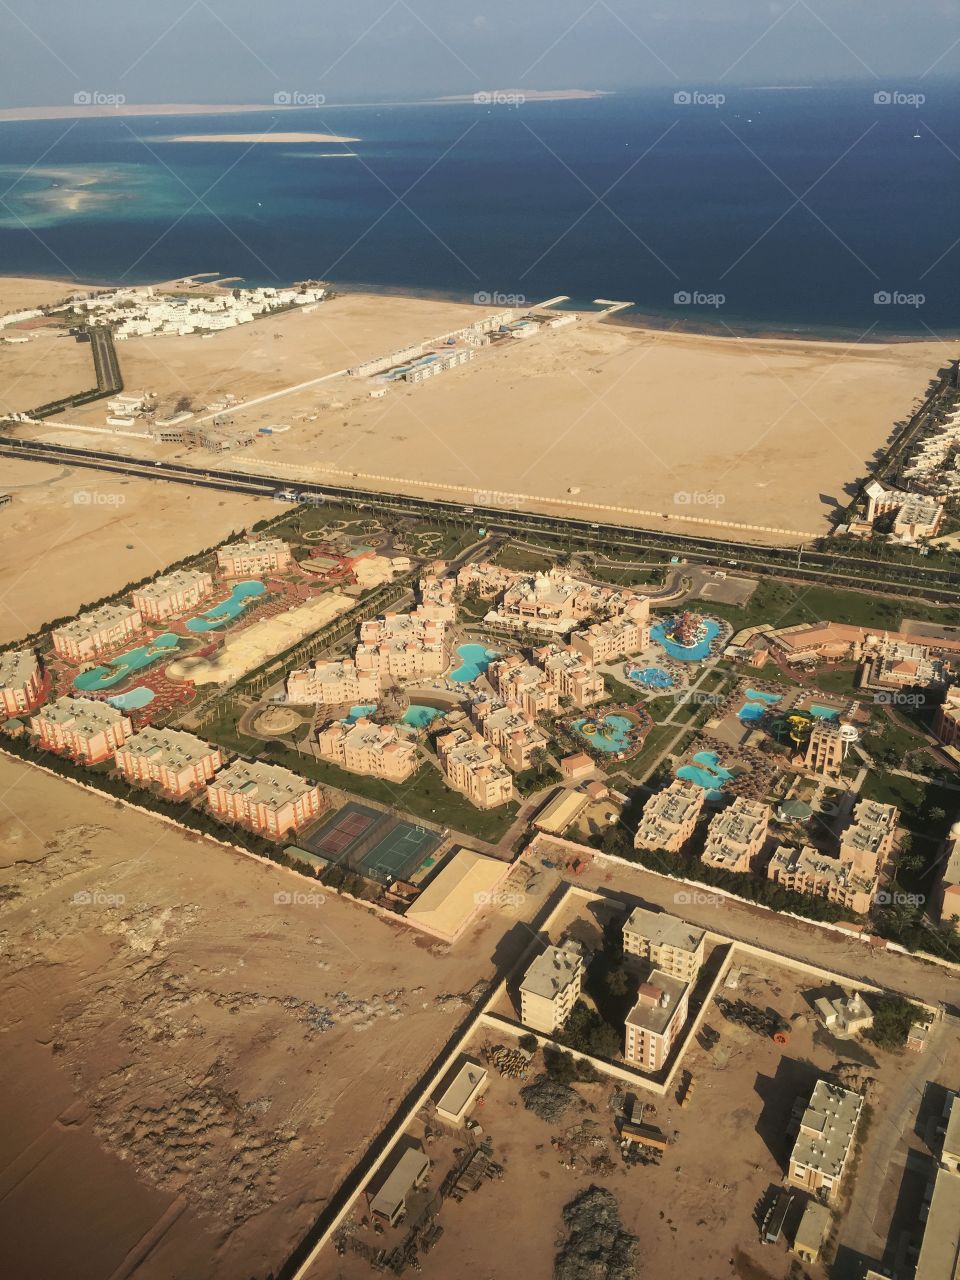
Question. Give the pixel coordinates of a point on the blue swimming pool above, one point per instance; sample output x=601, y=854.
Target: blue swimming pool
x=820, y=712
x=421, y=716
x=606, y=733
x=474, y=660
x=133, y=699
x=697, y=652
x=359, y=712
x=123, y=666
x=707, y=772
x=227, y=610
x=650, y=677
x=757, y=705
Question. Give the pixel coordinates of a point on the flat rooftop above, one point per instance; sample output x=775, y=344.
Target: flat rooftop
x=17, y=668
x=553, y=971
x=827, y=1128
x=654, y=1013
x=172, y=747
x=664, y=930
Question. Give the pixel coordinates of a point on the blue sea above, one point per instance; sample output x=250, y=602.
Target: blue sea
x=777, y=210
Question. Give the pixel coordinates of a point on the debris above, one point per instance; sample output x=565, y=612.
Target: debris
x=597, y=1247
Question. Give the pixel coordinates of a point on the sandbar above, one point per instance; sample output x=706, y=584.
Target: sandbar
x=265, y=136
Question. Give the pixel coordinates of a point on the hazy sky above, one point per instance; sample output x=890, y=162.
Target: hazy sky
x=247, y=50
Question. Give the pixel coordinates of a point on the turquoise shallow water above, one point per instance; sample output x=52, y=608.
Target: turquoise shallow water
x=124, y=665
x=697, y=652
x=360, y=711
x=133, y=699
x=227, y=610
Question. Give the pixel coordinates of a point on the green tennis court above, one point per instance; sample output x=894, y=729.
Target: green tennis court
x=398, y=854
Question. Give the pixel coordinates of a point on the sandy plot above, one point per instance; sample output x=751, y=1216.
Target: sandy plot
x=23, y=293
x=280, y=351
x=72, y=536
x=191, y=1067
x=49, y=365
x=252, y=646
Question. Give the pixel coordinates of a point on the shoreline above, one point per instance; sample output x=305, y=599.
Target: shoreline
x=631, y=320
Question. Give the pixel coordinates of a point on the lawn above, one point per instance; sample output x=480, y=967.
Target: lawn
x=784, y=604
x=925, y=808
x=522, y=560
x=654, y=743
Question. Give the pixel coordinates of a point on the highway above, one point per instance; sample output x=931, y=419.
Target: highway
x=835, y=568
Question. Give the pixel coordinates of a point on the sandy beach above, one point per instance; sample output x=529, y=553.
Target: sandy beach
x=285, y=138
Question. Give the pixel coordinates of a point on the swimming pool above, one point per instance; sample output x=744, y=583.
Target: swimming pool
x=757, y=705
x=706, y=772
x=133, y=699
x=421, y=716
x=228, y=609
x=123, y=666
x=359, y=712
x=650, y=677
x=820, y=712
x=474, y=660
x=610, y=733
x=697, y=652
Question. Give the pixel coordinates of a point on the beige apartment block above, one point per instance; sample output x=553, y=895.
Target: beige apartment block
x=512, y=732
x=332, y=684
x=670, y=817
x=946, y=722
x=737, y=836
x=253, y=555
x=97, y=632
x=172, y=594
x=656, y=1020
x=265, y=798
x=617, y=638
x=809, y=871
x=868, y=841
x=950, y=878
x=21, y=681
x=666, y=942
x=551, y=987
x=822, y=1149
x=517, y=681
x=571, y=674
x=402, y=646
x=83, y=728
x=176, y=762
x=473, y=767
x=372, y=750
x=437, y=597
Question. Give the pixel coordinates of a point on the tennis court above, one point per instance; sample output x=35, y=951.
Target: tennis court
x=345, y=832
x=398, y=854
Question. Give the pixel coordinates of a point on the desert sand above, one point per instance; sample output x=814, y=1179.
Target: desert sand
x=191, y=1067
x=259, y=137
x=73, y=536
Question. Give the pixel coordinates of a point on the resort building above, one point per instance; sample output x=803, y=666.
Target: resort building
x=950, y=878
x=809, y=871
x=868, y=841
x=253, y=555
x=264, y=797
x=915, y=515
x=437, y=597
x=737, y=835
x=554, y=602
x=95, y=632
x=21, y=681
x=484, y=579
x=172, y=594
x=670, y=817
x=176, y=762
x=825, y=748
x=512, y=731
x=940, y=1249
x=614, y=639
x=332, y=684
x=656, y=1020
x=372, y=750
x=551, y=987
x=400, y=647
x=560, y=812
x=899, y=664
x=571, y=674
x=517, y=681
x=822, y=1149
x=473, y=767
x=668, y=944
x=946, y=722
x=83, y=728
